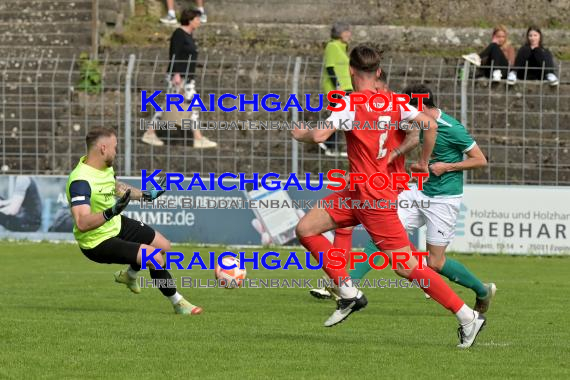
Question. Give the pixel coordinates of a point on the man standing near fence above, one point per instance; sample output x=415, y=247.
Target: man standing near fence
x=106, y=237
x=336, y=76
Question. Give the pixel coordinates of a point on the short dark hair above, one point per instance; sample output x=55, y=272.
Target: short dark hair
x=382, y=76
x=365, y=58
x=338, y=28
x=189, y=15
x=96, y=133
x=419, y=88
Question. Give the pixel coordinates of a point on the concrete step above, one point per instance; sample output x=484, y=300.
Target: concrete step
x=46, y=40
x=38, y=52
x=27, y=6
x=44, y=16
x=366, y=12
x=372, y=12
x=309, y=38
x=54, y=28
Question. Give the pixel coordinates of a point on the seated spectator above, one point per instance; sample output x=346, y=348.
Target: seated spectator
x=200, y=7
x=539, y=60
x=499, y=55
x=170, y=18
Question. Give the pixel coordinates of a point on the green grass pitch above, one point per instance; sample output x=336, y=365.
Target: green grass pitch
x=62, y=316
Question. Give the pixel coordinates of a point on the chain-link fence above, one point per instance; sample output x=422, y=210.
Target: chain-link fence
x=49, y=104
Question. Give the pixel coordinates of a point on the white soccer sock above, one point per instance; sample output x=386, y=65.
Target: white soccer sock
x=172, y=13
x=465, y=315
x=132, y=273
x=175, y=298
x=347, y=290
x=201, y=9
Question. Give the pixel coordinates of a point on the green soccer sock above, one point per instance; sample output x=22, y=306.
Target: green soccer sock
x=361, y=269
x=458, y=273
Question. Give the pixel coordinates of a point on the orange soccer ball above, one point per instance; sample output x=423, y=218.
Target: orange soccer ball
x=230, y=278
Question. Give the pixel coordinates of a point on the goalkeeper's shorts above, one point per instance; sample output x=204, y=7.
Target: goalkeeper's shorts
x=123, y=248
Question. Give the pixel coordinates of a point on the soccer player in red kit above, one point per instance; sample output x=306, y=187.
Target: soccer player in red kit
x=368, y=152
x=402, y=140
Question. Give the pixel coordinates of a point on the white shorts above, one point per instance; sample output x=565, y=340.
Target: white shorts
x=440, y=217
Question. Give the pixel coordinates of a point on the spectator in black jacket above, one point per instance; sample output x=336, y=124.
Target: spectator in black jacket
x=539, y=59
x=183, y=55
x=183, y=51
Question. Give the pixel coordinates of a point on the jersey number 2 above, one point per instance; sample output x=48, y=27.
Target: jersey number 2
x=383, y=122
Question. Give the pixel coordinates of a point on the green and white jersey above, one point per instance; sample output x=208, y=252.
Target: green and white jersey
x=452, y=142
x=87, y=185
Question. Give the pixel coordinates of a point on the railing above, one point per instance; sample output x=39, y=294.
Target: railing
x=524, y=130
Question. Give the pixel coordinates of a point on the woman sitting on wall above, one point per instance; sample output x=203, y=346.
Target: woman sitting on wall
x=539, y=60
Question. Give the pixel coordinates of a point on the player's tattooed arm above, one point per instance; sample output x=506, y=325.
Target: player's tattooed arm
x=411, y=140
x=121, y=188
x=430, y=135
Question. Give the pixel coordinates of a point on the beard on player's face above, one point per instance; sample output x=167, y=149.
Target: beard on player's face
x=109, y=152
x=108, y=157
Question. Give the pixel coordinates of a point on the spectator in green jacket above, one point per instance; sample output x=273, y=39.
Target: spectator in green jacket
x=336, y=74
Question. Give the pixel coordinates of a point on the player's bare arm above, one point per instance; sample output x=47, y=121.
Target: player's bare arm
x=121, y=188
x=85, y=220
x=149, y=195
x=309, y=135
x=475, y=159
x=430, y=135
x=411, y=140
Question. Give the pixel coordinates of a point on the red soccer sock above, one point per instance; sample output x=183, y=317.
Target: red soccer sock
x=318, y=243
x=414, y=249
x=437, y=289
x=343, y=239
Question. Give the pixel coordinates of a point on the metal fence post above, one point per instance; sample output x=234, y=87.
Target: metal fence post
x=94, y=29
x=464, y=79
x=295, y=116
x=128, y=111
x=464, y=82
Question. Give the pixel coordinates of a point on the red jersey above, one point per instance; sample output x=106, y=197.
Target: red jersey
x=398, y=165
x=370, y=137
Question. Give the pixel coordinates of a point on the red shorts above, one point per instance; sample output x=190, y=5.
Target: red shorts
x=383, y=225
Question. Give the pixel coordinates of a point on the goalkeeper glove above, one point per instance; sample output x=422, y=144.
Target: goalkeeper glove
x=151, y=195
x=118, y=207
